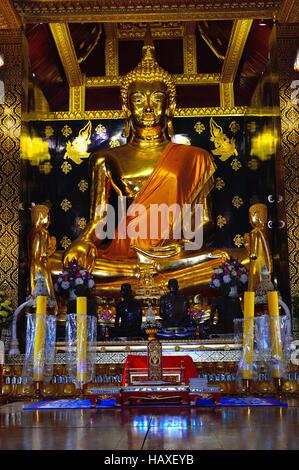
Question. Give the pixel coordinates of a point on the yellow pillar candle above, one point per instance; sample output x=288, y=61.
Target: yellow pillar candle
x=82, y=339
x=248, y=334
x=275, y=333
x=39, y=338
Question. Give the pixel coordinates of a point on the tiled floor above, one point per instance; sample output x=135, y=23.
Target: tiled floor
x=150, y=428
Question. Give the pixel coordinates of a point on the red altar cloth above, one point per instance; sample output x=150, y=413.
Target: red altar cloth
x=140, y=362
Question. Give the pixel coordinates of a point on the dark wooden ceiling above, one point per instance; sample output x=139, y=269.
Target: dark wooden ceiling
x=49, y=73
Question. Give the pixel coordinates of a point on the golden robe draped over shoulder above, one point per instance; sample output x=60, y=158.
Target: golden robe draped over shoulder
x=183, y=175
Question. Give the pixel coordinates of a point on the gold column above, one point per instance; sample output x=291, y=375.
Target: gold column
x=189, y=41
x=13, y=79
x=111, y=50
x=287, y=41
x=77, y=99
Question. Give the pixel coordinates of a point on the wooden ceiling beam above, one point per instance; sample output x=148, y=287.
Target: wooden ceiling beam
x=67, y=53
x=289, y=12
x=81, y=11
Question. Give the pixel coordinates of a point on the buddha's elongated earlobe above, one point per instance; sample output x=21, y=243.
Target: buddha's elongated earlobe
x=128, y=123
x=169, y=125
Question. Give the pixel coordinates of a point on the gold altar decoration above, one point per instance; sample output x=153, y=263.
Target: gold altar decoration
x=257, y=245
x=81, y=340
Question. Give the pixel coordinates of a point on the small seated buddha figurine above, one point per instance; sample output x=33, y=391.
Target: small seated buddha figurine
x=260, y=299
x=40, y=247
x=148, y=170
x=174, y=307
x=128, y=318
x=257, y=245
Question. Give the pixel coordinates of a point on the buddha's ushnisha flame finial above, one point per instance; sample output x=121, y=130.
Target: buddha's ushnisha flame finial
x=148, y=70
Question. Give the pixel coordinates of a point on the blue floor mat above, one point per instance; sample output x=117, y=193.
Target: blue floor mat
x=67, y=405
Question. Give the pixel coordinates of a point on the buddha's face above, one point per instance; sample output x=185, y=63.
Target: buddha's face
x=148, y=104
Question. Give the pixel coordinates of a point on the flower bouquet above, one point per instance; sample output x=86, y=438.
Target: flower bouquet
x=74, y=276
x=105, y=315
x=229, y=275
x=198, y=315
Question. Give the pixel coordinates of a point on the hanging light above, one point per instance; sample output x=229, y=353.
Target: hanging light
x=262, y=23
x=296, y=63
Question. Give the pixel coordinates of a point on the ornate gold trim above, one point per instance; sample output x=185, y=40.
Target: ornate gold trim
x=111, y=50
x=227, y=97
x=9, y=18
x=67, y=53
x=77, y=99
x=104, y=11
x=189, y=41
x=159, y=30
x=235, y=49
x=118, y=114
x=183, y=79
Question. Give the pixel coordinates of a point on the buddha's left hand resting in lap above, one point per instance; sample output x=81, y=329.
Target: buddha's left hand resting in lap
x=148, y=170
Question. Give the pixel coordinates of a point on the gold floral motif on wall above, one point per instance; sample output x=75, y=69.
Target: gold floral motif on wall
x=65, y=242
x=236, y=164
x=81, y=222
x=101, y=131
x=65, y=205
x=49, y=131
x=253, y=164
x=221, y=221
x=237, y=201
x=199, y=127
x=238, y=240
x=83, y=185
x=66, y=131
x=114, y=142
x=219, y=183
x=66, y=167
x=234, y=127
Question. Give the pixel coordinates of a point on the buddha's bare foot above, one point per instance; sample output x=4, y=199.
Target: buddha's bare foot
x=83, y=252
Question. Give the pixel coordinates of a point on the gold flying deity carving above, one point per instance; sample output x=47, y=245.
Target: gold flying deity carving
x=148, y=169
x=224, y=147
x=257, y=245
x=77, y=150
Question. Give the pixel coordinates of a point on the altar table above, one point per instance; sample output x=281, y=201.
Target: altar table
x=168, y=362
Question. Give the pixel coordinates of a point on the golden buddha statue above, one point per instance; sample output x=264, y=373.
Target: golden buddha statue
x=257, y=245
x=148, y=170
x=41, y=247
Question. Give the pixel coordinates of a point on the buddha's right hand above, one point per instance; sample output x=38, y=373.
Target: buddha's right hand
x=84, y=252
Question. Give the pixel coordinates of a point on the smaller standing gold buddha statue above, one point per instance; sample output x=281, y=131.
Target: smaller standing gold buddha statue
x=257, y=245
x=41, y=247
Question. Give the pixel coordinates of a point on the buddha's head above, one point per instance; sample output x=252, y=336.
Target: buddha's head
x=40, y=215
x=148, y=93
x=258, y=215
